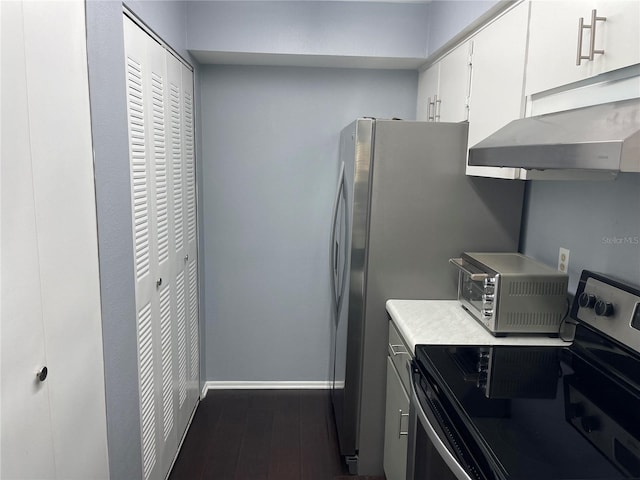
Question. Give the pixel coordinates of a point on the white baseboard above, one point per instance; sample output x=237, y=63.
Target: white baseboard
x=216, y=385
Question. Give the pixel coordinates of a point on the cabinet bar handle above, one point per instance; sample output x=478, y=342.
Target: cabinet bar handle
x=595, y=18
x=429, y=105
x=400, y=432
x=395, y=352
x=581, y=27
x=436, y=109
x=592, y=41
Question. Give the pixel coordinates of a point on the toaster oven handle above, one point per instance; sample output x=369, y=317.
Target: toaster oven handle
x=458, y=262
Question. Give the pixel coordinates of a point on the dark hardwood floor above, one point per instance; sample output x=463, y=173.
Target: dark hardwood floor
x=261, y=434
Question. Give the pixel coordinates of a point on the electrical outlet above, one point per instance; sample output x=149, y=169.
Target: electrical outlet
x=563, y=260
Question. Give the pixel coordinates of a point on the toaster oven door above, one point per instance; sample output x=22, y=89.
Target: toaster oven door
x=473, y=285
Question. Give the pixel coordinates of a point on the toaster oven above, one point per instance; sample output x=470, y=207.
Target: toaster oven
x=509, y=293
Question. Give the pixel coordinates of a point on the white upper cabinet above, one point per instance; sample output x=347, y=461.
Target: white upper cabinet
x=427, y=90
x=497, y=79
x=453, y=91
x=443, y=88
x=555, y=38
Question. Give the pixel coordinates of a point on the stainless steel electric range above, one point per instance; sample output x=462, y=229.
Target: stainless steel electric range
x=526, y=412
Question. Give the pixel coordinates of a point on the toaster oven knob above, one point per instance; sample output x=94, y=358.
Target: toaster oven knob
x=488, y=298
x=490, y=282
x=586, y=300
x=603, y=309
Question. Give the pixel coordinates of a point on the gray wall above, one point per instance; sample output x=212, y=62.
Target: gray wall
x=105, y=50
x=447, y=18
x=309, y=28
x=270, y=148
x=599, y=222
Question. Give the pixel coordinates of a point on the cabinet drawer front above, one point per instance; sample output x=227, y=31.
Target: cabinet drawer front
x=400, y=355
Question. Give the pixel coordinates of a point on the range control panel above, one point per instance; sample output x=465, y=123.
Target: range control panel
x=609, y=306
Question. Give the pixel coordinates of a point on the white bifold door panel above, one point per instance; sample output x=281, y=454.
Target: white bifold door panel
x=163, y=198
x=52, y=426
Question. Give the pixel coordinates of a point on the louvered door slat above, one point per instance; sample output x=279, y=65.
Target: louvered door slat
x=137, y=154
x=167, y=377
x=160, y=163
x=193, y=321
x=190, y=166
x=176, y=152
x=147, y=392
x=182, y=340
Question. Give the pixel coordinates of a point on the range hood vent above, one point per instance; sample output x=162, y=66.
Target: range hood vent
x=602, y=137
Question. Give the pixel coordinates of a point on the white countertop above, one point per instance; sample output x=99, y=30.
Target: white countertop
x=445, y=322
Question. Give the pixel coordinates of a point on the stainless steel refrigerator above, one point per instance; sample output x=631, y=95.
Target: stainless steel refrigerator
x=403, y=208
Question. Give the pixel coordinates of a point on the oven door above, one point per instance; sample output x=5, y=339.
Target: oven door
x=437, y=450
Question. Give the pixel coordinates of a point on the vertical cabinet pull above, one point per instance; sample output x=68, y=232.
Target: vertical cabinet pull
x=595, y=18
x=401, y=415
x=436, y=109
x=430, y=104
x=592, y=41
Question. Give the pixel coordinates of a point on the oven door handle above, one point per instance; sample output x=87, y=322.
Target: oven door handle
x=459, y=263
x=442, y=449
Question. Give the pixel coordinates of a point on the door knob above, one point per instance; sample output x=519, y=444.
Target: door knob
x=42, y=374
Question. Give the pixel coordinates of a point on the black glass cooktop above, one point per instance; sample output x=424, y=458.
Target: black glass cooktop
x=544, y=412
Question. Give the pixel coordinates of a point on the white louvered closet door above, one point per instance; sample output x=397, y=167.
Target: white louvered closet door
x=139, y=110
x=191, y=236
x=180, y=90
x=161, y=147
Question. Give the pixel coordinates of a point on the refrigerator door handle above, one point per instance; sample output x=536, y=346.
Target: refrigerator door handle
x=334, y=242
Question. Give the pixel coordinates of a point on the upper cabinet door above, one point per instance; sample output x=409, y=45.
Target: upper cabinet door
x=555, y=37
x=497, y=77
x=443, y=88
x=620, y=34
x=427, y=90
x=453, y=92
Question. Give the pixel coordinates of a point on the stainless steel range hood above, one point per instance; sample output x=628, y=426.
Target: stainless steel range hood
x=601, y=137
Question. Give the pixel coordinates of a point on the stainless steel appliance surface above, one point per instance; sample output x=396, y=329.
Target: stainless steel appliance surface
x=509, y=293
x=403, y=207
x=599, y=137
x=482, y=412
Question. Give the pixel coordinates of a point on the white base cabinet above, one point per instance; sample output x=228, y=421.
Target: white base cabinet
x=396, y=422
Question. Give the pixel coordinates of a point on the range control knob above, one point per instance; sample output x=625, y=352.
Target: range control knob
x=483, y=363
x=481, y=383
x=586, y=300
x=603, y=309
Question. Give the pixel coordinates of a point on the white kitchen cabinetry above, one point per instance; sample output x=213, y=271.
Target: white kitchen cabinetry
x=427, y=90
x=51, y=427
x=497, y=79
x=396, y=422
x=443, y=88
x=554, y=35
x=163, y=196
